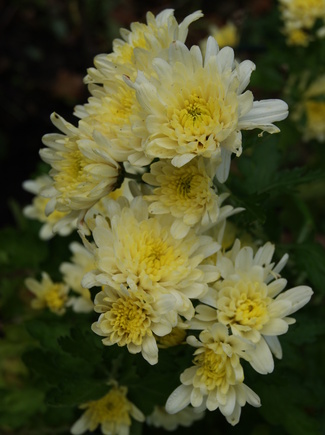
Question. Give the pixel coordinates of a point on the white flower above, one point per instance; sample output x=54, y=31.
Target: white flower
x=83, y=170
x=197, y=107
x=187, y=193
x=170, y=422
x=36, y=210
x=135, y=249
x=82, y=262
x=248, y=300
x=112, y=413
x=131, y=317
x=48, y=294
x=216, y=378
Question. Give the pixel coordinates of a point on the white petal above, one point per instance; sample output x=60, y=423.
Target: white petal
x=299, y=296
x=179, y=399
x=261, y=358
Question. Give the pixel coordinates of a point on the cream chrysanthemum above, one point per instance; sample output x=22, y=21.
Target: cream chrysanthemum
x=82, y=261
x=187, y=193
x=48, y=294
x=197, y=107
x=299, y=18
x=137, y=249
x=83, y=170
x=112, y=413
x=170, y=422
x=247, y=299
x=131, y=317
x=216, y=379
x=140, y=45
x=36, y=210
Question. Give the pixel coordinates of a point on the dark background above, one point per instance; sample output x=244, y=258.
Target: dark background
x=46, y=47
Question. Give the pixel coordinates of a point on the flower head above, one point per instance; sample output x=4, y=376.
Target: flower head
x=197, y=107
x=248, y=300
x=216, y=378
x=48, y=294
x=83, y=170
x=187, y=193
x=112, y=413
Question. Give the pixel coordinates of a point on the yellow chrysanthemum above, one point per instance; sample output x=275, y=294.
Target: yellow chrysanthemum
x=83, y=170
x=197, y=108
x=216, y=379
x=48, y=294
x=112, y=413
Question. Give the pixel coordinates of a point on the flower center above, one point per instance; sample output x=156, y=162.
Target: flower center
x=156, y=256
x=244, y=303
x=315, y=113
x=130, y=320
x=212, y=369
x=71, y=171
x=54, y=300
x=194, y=113
x=113, y=408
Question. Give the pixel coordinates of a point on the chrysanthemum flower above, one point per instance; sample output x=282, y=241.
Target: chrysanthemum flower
x=48, y=294
x=112, y=413
x=309, y=113
x=83, y=170
x=187, y=193
x=299, y=17
x=216, y=379
x=248, y=300
x=82, y=261
x=137, y=249
x=36, y=210
x=197, y=107
x=131, y=317
x=170, y=422
x=140, y=45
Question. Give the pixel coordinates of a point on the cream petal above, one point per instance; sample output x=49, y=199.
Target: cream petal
x=298, y=296
x=275, y=327
x=179, y=399
x=261, y=358
x=229, y=407
x=275, y=346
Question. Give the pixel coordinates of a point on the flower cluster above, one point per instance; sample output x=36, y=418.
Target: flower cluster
x=154, y=251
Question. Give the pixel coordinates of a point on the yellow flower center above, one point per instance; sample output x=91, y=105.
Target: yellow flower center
x=130, y=321
x=212, y=369
x=71, y=171
x=54, y=298
x=112, y=408
x=315, y=114
x=243, y=303
x=196, y=111
x=156, y=256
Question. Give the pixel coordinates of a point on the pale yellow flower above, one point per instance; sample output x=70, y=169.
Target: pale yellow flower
x=112, y=413
x=197, y=107
x=82, y=261
x=133, y=248
x=170, y=422
x=187, y=193
x=299, y=17
x=83, y=170
x=36, y=210
x=131, y=317
x=248, y=300
x=140, y=45
x=216, y=378
x=48, y=294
